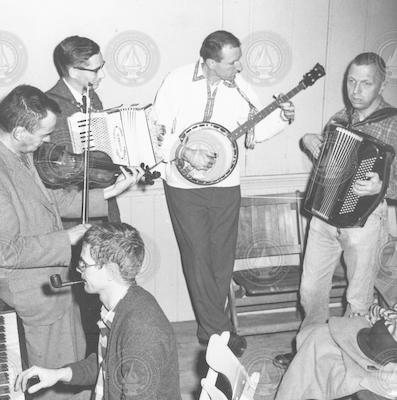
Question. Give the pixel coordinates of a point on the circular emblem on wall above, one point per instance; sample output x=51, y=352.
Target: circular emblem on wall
x=386, y=47
x=266, y=59
x=132, y=58
x=13, y=58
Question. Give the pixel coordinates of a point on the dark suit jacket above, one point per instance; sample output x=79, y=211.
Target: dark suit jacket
x=32, y=242
x=69, y=106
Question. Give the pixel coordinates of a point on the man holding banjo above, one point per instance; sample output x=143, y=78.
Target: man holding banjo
x=202, y=183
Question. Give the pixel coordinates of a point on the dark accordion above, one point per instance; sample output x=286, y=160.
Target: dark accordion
x=347, y=155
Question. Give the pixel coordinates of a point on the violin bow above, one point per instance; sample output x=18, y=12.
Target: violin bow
x=86, y=180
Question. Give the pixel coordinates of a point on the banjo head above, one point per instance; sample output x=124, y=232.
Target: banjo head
x=213, y=138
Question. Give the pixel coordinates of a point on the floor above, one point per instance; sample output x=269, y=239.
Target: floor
x=258, y=357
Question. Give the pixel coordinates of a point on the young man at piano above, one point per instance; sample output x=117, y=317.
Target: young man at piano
x=137, y=355
x=205, y=218
x=33, y=243
x=367, y=112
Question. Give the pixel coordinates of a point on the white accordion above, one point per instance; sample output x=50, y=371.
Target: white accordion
x=123, y=133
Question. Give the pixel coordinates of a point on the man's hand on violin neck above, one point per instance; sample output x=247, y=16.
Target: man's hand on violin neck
x=125, y=180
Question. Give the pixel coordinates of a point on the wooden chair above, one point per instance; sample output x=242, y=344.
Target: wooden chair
x=268, y=265
x=220, y=359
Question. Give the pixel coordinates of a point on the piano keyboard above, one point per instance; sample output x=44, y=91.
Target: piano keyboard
x=10, y=356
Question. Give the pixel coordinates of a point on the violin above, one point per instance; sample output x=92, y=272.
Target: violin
x=59, y=168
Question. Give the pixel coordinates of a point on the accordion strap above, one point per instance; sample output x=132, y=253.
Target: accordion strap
x=376, y=116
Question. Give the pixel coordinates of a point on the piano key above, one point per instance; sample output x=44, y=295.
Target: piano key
x=10, y=357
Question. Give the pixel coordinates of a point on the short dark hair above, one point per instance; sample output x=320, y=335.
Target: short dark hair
x=25, y=106
x=370, y=58
x=214, y=43
x=119, y=243
x=74, y=51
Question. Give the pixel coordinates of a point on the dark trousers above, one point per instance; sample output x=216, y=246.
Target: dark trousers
x=205, y=223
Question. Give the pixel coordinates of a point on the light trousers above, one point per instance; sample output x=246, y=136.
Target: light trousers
x=361, y=249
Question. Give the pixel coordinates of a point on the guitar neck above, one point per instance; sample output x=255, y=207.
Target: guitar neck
x=242, y=129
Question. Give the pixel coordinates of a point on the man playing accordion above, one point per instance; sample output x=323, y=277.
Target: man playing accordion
x=361, y=246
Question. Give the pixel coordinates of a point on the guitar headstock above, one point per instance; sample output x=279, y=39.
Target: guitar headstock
x=313, y=75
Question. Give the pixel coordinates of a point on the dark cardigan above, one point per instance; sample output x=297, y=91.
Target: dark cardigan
x=141, y=357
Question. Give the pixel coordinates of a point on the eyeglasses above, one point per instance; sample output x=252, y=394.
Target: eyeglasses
x=82, y=265
x=95, y=70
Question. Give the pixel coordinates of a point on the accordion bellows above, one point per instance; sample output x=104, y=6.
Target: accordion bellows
x=347, y=155
x=123, y=133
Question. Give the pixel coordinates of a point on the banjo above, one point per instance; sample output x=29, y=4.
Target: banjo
x=216, y=138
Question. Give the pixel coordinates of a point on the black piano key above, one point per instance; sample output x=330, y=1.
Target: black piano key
x=1, y=320
x=3, y=347
x=2, y=338
x=5, y=397
x=4, y=389
x=3, y=367
x=3, y=357
x=2, y=329
x=4, y=378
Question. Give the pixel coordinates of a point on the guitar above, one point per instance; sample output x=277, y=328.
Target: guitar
x=216, y=138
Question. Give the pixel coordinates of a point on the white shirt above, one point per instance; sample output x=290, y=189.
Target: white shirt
x=181, y=101
x=77, y=96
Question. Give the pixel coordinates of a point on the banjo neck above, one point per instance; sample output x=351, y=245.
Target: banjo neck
x=242, y=129
x=209, y=135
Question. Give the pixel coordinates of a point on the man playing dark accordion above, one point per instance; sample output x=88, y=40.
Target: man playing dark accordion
x=361, y=246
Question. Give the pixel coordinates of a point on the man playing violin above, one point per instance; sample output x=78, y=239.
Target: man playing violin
x=79, y=63
x=33, y=243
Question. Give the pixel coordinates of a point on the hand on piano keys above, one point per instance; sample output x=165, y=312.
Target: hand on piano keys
x=36, y=378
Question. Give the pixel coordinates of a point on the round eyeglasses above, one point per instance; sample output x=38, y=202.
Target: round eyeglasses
x=82, y=265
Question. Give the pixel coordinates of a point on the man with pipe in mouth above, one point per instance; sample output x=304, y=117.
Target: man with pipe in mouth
x=137, y=355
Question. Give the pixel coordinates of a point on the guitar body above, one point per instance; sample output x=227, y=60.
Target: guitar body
x=217, y=139
x=213, y=138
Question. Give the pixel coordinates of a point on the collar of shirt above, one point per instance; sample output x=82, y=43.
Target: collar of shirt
x=355, y=116
x=107, y=316
x=199, y=74
x=77, y=96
